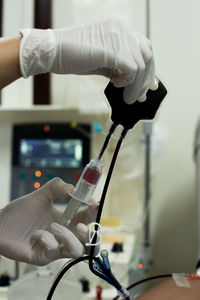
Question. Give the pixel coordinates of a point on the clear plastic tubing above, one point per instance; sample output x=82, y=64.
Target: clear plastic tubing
x=84, y=189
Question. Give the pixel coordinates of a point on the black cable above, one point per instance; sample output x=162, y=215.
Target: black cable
x=76, y=261
x=100, y=209
x=144, y=280
x=62, y=273
x=111, y=130
x=105, y=189
x=91, y=257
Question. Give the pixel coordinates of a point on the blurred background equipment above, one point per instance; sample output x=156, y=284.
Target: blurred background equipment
x=41, y=152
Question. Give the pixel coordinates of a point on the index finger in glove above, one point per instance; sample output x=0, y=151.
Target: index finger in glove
x=150, y=83
x=143, y=82
x=44, y=248
x=70, y=246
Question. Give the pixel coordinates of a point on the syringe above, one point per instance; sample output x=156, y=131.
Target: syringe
x=84, y=188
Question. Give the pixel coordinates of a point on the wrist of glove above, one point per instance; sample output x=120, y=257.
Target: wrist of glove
x=32, y=230
x=37, y=51
x=109, y=49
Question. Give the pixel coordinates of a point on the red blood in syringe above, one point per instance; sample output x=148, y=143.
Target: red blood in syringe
x=91, y=176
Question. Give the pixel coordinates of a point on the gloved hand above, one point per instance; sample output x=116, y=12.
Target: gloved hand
x=32, y=230
x=108, y=48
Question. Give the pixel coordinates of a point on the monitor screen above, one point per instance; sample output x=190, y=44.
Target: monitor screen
x=53, y=153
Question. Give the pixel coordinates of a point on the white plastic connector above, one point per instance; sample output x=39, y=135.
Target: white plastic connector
x=92, y=232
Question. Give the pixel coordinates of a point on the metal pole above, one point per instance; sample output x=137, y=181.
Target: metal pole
x=148, y=19
x=1, y=26
x=198, y=200
x=197, y=162
x=148, y=131
x=147, y=187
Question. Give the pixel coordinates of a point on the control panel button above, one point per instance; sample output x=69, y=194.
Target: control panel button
x=38, y=173
x=22, y=175
x=36, y=185
x=49, y=176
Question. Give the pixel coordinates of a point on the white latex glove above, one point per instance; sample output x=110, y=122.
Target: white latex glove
x=32, y=231
x=108, y=48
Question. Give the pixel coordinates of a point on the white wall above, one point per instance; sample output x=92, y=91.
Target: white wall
x=16, y=15
x=175, y=34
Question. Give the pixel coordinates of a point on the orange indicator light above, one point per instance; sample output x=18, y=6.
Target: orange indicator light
x=38, y=173
x=47, y=128
x=140, y=266
x=36, y=185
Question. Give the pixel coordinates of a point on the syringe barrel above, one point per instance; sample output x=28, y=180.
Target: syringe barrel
x=84, y=188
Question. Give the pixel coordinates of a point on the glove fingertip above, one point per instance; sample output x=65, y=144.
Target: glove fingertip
x=71, y=246
x=94, y=201
x=128, y=98
x=154, y=84
x=142, y=98
x=82, y=230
